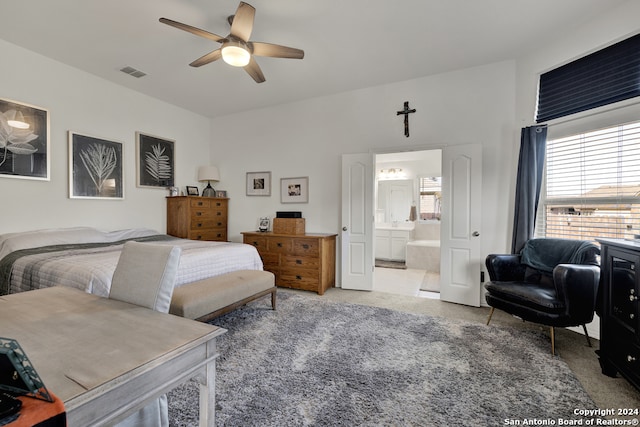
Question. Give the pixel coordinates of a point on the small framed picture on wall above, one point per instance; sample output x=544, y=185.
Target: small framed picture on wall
x=294, y=190
x=258, y=183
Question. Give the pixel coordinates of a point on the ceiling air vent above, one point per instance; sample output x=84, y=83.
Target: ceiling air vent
x=133, y=72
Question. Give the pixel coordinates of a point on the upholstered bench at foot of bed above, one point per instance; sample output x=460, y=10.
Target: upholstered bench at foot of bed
x=208, y=298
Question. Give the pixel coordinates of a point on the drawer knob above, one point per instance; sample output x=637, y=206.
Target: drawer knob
x=199, y=224
x=254, y=243
x=630, y=358
x=279, y=245
x=299, y=261
x=218, y=204
x=198, y=213
x=219, y=213
x=633, y=298
x=632, y=316
x=199, y=203
x=305, y=246
x=298, y=277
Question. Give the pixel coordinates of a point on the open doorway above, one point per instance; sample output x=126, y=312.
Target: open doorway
x=407, y=222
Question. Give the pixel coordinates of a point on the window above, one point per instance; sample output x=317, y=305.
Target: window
x=592, y=185
x=430, y=197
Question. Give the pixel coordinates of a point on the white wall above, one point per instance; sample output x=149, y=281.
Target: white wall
x=86, y=104
x=307, y=138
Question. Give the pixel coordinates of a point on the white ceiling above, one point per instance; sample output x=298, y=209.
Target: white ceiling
x=348, y=44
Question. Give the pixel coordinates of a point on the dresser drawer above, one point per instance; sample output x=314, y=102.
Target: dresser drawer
x=259, y=242
x=623, y=348
x=207, y=224
x=282, y=245
x=197, y=214
x=299, y=279
x=215, y=234
x=300, y=261
x=200, y=203
x=306, y=247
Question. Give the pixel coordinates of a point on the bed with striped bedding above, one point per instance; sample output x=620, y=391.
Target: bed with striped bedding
x=85, y=258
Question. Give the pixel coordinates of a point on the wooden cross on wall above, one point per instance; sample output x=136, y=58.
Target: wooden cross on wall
x=406, y=111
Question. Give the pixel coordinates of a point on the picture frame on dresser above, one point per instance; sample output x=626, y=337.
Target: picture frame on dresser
x=258, y=183
x=192, y=190
x=95, y=168
x=155, y=161
x=294, y=190
x=25, y=153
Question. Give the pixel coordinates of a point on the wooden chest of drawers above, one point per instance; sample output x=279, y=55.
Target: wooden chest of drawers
x=302, y=261
x=197, y=218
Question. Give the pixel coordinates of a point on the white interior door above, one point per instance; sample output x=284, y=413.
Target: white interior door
x=460, y=233
x=357, y=221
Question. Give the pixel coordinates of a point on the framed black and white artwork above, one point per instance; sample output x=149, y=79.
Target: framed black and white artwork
x=258, y=183
x=95, y=168
x=24, y=141
x=155, y=161
x=294, y=190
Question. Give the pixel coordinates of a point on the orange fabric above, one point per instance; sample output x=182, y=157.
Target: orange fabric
x=35, y=411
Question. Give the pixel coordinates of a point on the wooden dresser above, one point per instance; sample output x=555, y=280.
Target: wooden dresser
x=197, y=218
x=301, y=261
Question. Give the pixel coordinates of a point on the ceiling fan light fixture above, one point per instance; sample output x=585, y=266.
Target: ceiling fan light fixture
x=235, y=53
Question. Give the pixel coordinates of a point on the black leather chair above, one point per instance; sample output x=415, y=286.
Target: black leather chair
x=553, y=282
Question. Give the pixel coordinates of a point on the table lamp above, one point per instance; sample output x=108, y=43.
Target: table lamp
x=208, y=173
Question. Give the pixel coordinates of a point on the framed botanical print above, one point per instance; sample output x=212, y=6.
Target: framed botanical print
x=155, y=161
x=95, y=168
x=294, y=190
x=24, y=141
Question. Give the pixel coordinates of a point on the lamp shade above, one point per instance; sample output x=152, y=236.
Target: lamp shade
x=208, y=173
x=234, y=52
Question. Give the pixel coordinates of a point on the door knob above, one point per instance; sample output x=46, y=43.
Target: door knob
x=475, y=234
x=344, y=228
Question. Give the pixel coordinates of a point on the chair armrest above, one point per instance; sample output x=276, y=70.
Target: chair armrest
x=505, y=268
x=577, y=286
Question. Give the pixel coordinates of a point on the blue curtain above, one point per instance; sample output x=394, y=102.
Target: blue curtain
x=533, y=142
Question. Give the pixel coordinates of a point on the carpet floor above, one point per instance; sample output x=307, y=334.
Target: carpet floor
x=319, y=363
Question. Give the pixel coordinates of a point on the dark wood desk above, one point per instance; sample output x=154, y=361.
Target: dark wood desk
x=106, y=359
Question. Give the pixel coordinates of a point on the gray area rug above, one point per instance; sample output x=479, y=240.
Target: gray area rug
x=317, y=363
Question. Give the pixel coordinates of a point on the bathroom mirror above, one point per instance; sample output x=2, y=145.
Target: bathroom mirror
x=394, y=200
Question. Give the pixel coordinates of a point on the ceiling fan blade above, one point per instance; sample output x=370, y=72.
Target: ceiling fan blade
x=208, y=58
x=242, y=24
x=193, y=30
x=275, y=50
x=253, y=69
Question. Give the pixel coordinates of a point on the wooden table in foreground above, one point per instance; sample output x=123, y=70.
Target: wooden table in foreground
x=105, y=359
